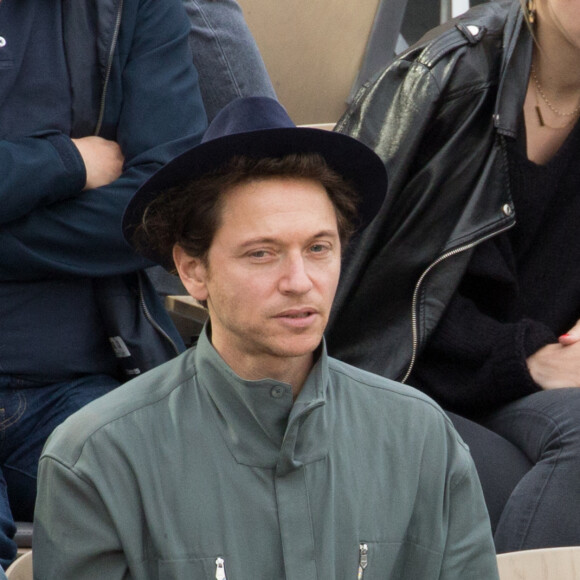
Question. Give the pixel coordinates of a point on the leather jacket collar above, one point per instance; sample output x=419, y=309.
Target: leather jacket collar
x=517, y=59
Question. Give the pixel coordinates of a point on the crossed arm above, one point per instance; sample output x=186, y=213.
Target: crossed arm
x=63, y=200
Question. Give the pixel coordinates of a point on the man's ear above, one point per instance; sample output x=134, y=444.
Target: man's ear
x=192, y=271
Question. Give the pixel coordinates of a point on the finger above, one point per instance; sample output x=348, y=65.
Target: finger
x=571, y=337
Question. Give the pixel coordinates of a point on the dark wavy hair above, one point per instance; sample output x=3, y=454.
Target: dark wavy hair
x=190, y=214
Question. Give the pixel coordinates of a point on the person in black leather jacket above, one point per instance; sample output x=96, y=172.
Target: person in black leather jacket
x=466, y=278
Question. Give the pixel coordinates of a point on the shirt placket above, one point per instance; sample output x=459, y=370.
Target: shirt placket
x=296, y=526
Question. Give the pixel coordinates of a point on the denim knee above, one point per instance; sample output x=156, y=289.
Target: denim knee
x=542, y=425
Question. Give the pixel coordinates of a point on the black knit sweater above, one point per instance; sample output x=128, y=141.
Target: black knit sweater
x=521, y=290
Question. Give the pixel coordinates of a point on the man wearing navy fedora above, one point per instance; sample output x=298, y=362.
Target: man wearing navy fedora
x=255, y=455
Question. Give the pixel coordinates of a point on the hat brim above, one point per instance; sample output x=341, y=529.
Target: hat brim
x=348, y=157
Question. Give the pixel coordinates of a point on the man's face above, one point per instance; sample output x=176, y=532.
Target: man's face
x=271, y=273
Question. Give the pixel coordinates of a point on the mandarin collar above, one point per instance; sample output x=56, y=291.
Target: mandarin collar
x=261, y=424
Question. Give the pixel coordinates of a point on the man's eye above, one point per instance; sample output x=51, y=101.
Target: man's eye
x=318, y=248
x=259, y=254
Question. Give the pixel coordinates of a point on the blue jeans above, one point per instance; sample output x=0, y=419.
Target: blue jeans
x=539, y=483
x=225, y=54
x=29, y=412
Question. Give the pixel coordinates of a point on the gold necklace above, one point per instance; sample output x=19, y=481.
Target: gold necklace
x=540, y=92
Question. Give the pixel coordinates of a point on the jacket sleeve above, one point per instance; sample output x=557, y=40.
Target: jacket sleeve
x=374, y=118
x=408, y=116
x=469, y=551
x=160, y=115
x=36, y=171
x=75, y=525
x=474, y=363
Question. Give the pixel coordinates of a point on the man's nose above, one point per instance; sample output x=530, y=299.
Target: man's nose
x=295, y=278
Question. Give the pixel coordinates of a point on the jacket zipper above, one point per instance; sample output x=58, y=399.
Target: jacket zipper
x=151, y=320
x=414, y=322
x=109, y=68
x=363, y=560
x=220, y=571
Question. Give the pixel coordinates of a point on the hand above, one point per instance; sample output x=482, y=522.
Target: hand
x=572, y=336
x=103, y=160
x=556, y=366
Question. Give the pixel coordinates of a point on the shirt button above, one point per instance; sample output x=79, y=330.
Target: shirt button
x=277, y=391
x=2, y=42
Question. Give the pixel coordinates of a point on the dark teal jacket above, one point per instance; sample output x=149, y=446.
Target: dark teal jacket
x=132, y=80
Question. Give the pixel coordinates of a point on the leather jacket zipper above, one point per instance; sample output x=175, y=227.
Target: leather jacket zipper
x=414, y=321
x=108, y=68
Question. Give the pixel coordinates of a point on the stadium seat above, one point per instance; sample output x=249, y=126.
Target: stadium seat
x=313, y=51
x=542, y=564
x=21, y=568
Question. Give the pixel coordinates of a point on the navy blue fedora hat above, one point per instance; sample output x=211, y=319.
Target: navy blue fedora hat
x=260, y=127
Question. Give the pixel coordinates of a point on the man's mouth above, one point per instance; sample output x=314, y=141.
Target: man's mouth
x=297, y=313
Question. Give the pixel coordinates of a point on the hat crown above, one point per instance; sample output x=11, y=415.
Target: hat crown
x=244, y=115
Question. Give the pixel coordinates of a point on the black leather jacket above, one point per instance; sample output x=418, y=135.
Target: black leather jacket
x=439, y=117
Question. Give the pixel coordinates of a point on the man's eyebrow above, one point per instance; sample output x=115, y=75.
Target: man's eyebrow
x=271, y=240
x=253, y=241
x=326, y=234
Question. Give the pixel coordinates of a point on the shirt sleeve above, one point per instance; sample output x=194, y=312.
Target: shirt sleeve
x=160, y=114
x=469, y=551
x=72, y=521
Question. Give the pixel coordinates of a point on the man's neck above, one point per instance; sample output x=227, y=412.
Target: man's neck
x=290, y=370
